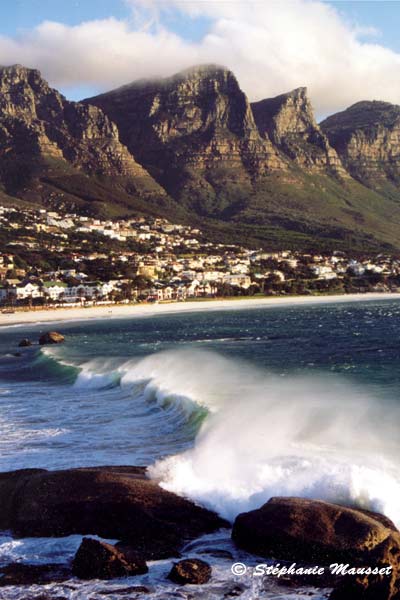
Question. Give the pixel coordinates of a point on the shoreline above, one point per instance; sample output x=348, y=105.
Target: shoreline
x=59, y=315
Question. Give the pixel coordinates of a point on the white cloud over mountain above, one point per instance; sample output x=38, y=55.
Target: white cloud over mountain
x=272, y=46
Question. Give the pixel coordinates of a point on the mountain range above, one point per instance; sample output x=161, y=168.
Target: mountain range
x=192, y=148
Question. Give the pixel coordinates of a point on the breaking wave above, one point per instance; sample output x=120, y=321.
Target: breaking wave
x=255, y=434
x=267, y=436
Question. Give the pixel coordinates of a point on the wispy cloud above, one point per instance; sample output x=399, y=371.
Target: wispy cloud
x=272, y=47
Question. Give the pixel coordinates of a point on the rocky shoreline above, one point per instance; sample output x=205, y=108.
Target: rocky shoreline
x=122, y=503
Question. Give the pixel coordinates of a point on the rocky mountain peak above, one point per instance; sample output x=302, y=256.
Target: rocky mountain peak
x=202, y=72
x=37, y=119
x=191, y=124
x=287, y=113
x=367, y=137
x=288, y=121
x=22, y=91
x=193, y=100
x=363, y=115
x=192, y=144
x=20, y=72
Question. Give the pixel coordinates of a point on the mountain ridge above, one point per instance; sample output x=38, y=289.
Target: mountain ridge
x=46, y=140
x=192, y=148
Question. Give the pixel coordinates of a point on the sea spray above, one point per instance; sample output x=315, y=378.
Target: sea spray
x=256, y=434
x=266, y=436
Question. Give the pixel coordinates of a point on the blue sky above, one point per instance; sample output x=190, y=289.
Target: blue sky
x=24, y=14
x=384, y=15
x=18, y=15
x=343, y=51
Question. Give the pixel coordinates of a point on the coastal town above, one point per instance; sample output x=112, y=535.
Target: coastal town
x=53, y=259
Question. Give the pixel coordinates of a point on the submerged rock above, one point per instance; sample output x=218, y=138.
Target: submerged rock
x=98, y=560
x=112, y=502
x=25, y=343
x=190, y=570
x=133, y=589
x=23, y=574
x=51, y=337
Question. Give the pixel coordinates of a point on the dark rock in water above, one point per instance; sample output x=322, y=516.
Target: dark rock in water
x=163, y=547
x=51, y=337
x=98, y=560
x=25, y=343
x=133, y=589
x=310, y=530
x=44, y=597
x=112, y=502
x=190, y=570
x=322, y=533
x=17, y=354
x=22, y=574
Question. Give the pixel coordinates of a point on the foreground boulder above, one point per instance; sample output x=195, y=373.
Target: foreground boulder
x=316, y=532
x=190, y=570
x=51, y=337
x=98, y=560
x=111, y=502
x=25, y=343
x=374, y=586
x=310, y=530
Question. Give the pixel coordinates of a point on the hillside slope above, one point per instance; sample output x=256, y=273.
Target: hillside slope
x=63, y=153
x=193, y=149
x=265, y=170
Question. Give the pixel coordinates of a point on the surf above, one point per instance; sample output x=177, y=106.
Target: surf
x=246, y=433
x=316, y=437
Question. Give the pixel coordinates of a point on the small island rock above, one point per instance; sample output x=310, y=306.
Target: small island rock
x=98, y=560
x=190, y=570
x=51, y=337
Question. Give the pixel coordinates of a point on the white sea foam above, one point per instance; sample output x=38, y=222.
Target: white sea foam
x=166, y=378
x=14, y=434
x=97, y=375
x=267, y=435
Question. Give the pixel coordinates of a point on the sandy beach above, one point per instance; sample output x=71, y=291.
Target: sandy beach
x=40, y=316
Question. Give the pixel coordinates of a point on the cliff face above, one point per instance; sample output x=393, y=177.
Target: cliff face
x=37, y=122
x=367, y=138
x=198, y=118
x=186, y=127
x=288, y=120
x=192, y=145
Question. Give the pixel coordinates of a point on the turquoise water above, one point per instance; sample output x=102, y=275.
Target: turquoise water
x=64, y=406
x=226, y=407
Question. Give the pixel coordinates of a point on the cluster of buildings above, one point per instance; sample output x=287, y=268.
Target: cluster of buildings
x=50, y=258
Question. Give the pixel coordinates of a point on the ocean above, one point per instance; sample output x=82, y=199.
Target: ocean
x=227, y=408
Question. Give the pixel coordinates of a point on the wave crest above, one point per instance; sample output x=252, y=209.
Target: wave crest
x=266, y=435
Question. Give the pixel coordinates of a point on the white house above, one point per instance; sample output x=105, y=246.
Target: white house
x=54, y=289
x=27, y=290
